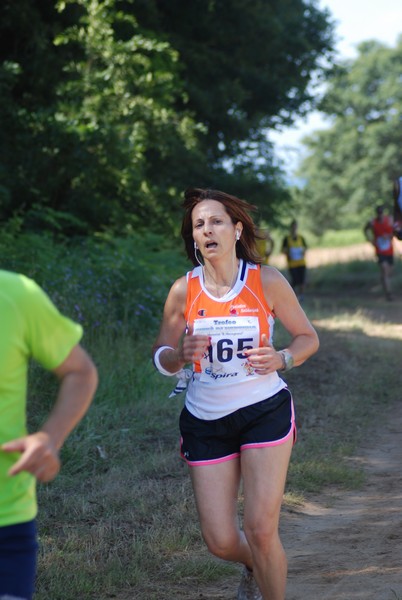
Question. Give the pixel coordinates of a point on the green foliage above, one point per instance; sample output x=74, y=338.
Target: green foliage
x=332, y=238
x=119, y=99
x=351, y=166
x=113, y=107
x=245, y=69
x=111, y=286
x=340, y=238
x=244, y=72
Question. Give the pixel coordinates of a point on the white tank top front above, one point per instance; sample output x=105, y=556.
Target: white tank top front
x=224, y=381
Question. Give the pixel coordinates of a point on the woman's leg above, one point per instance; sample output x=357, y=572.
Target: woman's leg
x=216, y=492
x=264, y=473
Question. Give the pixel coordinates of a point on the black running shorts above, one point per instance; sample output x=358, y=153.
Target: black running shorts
x=266, y=423
x=388, y=258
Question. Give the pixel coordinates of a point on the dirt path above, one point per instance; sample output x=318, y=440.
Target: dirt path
x=349, y=545
x=324, y=256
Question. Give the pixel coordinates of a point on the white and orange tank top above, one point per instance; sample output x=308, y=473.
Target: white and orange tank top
x=223, y=379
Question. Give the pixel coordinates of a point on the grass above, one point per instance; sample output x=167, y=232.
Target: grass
x=120, y=521
x=336, y=239
x=338, y=394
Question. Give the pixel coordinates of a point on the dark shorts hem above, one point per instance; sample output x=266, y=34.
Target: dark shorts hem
x=267, y=423
x=385, y=258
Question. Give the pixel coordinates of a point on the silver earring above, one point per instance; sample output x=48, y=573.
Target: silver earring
x=237, y=235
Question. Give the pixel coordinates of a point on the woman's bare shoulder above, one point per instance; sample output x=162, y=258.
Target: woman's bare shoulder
x=271, y=275
x=276, y=287
x=178, y=290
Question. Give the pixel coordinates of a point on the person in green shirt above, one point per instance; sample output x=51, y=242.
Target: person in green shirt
x=33, y=328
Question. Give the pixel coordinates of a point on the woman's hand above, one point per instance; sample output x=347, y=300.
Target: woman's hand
x=194, y=346
x=264, y=359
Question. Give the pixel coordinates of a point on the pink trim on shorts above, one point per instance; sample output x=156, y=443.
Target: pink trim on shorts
x=213, y=461
x=292, y=432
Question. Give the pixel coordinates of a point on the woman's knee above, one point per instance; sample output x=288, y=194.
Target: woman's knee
x=222, y=544
x=261, y=537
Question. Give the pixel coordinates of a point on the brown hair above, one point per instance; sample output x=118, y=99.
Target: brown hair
x=237, y=209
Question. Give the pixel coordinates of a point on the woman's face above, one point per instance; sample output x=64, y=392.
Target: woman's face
x=213, y=230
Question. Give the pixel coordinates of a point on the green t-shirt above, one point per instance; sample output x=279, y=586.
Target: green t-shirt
x=31, y=327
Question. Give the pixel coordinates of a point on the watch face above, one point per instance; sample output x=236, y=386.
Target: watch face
x=288, y=360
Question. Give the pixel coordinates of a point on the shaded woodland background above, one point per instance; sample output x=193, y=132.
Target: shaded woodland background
x=111, y=108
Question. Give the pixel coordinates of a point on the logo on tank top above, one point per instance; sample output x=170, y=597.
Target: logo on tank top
x=236, y=308
x=202, y=312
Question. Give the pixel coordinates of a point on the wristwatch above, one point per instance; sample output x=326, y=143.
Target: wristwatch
x=287, y=360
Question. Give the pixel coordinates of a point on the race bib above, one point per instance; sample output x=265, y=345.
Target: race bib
x=383, y=243
x=296, y=253
x=230, y=337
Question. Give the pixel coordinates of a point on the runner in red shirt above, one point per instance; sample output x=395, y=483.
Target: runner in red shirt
x=379, y=231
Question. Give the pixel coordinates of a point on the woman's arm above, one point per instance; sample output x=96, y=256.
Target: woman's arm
x=283, y=302
x=172, y=329
x=176, y=345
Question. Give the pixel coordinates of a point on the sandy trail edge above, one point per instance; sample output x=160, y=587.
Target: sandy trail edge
x=317, y=257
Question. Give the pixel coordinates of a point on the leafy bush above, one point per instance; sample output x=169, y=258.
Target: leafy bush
x=107, y=285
